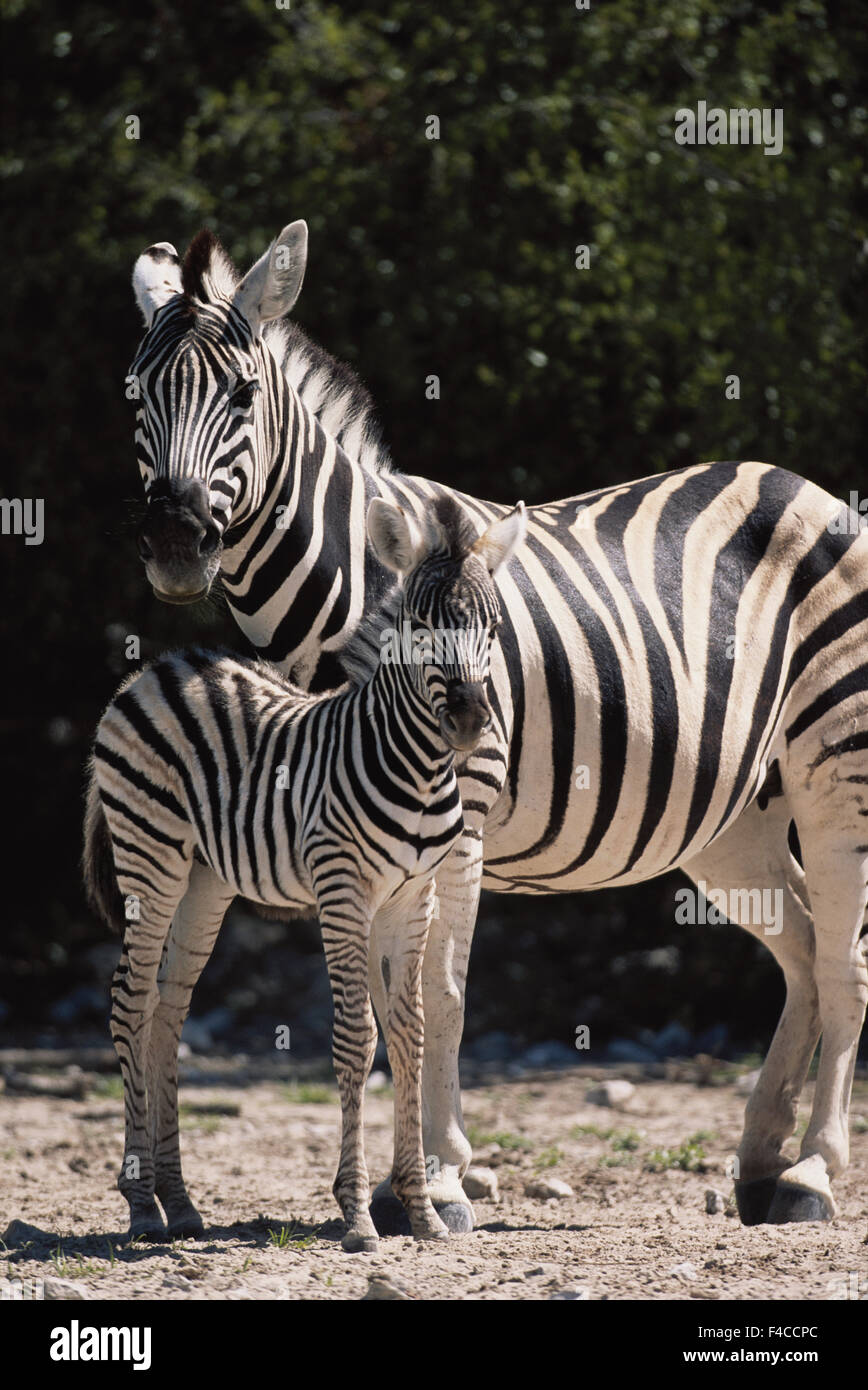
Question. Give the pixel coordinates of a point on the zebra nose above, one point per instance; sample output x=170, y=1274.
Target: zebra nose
x=179, y=541
x=210, y=539
x=467, y=715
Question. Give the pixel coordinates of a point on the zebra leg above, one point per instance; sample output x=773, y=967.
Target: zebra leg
x=135, y=998
x=399, y=934
x=345, y=933
x=191, y=941
x=754, y=854
x=831, y=805
x=444, y=974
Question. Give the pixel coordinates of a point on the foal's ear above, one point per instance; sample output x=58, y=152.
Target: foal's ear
x=396, y=538
x=496, y=546
x=273, y=284
x=156, y=278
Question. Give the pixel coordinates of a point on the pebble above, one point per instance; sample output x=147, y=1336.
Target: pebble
x=573, y=1294
x=546, y=1188
x=685, y=1270
x=548, y=1274
x=384, y=1288
x=613, y=1094
x=62, y=1289
x=480, y=1185
x=715, y=1202
x=19, y=1232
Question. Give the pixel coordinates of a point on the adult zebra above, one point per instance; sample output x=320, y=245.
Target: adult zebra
x=693, y=641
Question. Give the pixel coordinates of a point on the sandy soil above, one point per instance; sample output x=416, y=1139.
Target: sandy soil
x=259, y=1158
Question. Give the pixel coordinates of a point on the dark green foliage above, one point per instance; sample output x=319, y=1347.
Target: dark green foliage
x=453, y=257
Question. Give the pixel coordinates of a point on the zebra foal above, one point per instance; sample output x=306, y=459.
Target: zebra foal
x=348, y=801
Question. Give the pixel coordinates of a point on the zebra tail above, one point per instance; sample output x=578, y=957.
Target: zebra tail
x=98, y=864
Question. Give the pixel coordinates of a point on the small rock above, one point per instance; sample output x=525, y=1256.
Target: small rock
x=58, y=1087
x=613, y=1093
x=547, y=1274
x=745, y=1084
x=377, y=1081
x=19, y=1233
x=546, y=1188
x=62, y=1289
x=384, y=1288
x=685, y=1270
x=480, y=1185
x=491, y=1156
x=715, y=1202
x=175, y=1281
x=572, y=1294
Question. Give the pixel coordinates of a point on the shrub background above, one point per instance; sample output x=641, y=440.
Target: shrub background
x=454, y=257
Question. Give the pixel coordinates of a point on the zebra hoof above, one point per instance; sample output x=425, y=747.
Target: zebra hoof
x=799, y=1204
x=803, y=1193
x=754, y=1199
x=457, y=1217
x=355, y=1243
x=390, y=1218
x=387, y=1213
x=149, y=1226
x=190, y=1227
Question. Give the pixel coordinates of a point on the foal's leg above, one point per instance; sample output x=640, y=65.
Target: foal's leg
x=191, y=941
x=345, y=920
x=444, y=977
x=399, y=935
x=135, y=996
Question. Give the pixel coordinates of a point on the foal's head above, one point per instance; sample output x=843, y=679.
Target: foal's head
x=450, y=605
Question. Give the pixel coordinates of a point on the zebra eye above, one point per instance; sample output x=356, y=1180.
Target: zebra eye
x=242, y=398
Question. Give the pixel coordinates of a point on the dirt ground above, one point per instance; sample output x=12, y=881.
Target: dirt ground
x=259, y=1160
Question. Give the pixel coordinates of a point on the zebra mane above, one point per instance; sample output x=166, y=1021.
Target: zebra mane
x=361, y=655
x=457, y=533
x=332, y=392
x=328, y=388
x=207, y=273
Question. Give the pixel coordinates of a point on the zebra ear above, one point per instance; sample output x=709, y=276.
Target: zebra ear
x=394, y=535
x=272, y=285
x=496, y=546
x=156, y=278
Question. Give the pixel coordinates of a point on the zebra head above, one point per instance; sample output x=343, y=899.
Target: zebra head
x=210, y=393
x=450, y=606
